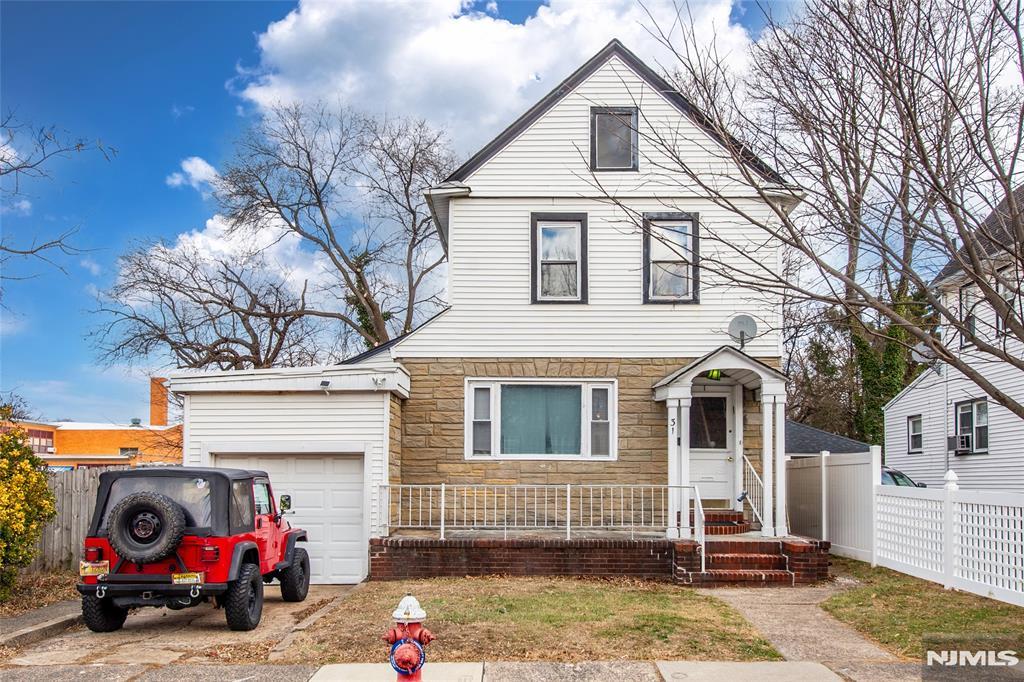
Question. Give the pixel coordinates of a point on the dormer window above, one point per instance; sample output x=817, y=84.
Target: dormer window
x=613, y=138
x=671, y=251
x=559, y=257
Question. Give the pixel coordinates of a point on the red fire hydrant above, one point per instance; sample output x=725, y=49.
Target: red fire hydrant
x=408, y=638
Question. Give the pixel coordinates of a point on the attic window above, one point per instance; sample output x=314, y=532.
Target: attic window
x=613, y=138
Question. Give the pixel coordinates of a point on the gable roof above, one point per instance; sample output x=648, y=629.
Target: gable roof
x=659, y=84
x=699, y=365
x=995, y=235
x=390, y=343
x=804, y=439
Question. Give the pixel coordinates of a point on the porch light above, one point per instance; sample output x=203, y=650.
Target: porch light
x=714, y=374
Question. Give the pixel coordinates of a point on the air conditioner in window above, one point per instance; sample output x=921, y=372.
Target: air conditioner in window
x=963, y=443
x=50, y=450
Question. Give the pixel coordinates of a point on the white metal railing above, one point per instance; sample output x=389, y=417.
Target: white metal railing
x=568, y=508
x=754, y=488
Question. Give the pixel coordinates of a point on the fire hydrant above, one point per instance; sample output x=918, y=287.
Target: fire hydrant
x=407, y=639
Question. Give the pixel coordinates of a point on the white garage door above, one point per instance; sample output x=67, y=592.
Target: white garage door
x=327, y=498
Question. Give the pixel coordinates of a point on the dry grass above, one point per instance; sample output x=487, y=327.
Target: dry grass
x=897, y=610
x=38, y=589
x=538, y=619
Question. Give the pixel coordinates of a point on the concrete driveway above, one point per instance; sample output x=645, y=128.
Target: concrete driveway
x=161, y=636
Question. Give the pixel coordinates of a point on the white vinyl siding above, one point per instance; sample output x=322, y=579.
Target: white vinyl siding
x=492, y=315
x=552, y=156
x=295, y=420
x=563, y=419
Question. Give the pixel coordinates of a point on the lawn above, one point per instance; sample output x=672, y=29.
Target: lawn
x=38, y=589
x=538, y=619
x=896, y=610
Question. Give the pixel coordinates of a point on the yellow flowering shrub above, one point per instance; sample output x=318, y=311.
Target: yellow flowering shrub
x=26, y=503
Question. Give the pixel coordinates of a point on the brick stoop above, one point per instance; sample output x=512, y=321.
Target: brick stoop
x=748, y=563
x=724, y=522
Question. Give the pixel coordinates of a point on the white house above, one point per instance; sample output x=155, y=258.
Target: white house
x=944, y=421
x=580, y=352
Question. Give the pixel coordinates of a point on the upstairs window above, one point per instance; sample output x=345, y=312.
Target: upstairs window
x=968, y=313
x=613, y=138
x=972, y=422
x=1008, y=287
x=671, y=250
x=559, y=257
x=915, y=434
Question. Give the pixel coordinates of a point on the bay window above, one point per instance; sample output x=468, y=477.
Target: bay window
x=671, y=250
x=540, y=418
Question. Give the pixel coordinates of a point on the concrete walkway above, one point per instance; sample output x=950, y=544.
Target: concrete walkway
x=795, y=624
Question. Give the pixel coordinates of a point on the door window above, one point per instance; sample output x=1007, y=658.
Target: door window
x=263, y=503
x=708, y=428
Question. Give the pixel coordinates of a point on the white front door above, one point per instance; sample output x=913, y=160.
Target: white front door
x=711, y=449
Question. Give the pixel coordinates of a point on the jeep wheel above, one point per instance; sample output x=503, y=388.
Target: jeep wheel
x=243, y=602
x=295, y=578
x=102, y=615
x=146, y=527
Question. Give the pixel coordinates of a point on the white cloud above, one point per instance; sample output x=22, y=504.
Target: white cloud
x=11, y=324
x=492, y=7
x=92, y=266
x=177, y=111
x=469, y=71
x=195, y=172
x=22, y=207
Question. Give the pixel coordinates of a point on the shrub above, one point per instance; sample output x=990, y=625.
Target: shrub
x=26, y=503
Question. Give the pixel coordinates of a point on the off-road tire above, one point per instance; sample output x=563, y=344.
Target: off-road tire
x=102, y=615
x=243, y=601
x=163, y=512
x=295, y=578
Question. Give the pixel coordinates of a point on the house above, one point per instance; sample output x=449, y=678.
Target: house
x=70, y=445
x=943, y=421
x=583, y=378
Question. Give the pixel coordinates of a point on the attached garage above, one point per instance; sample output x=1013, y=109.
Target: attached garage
x=322, y=434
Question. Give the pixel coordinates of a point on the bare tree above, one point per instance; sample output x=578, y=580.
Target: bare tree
x=350, y=187
x=899, y=126
x=27, y=154
x=199, y=311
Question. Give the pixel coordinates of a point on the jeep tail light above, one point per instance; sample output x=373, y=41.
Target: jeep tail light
x=93, y=553
x=209, y=553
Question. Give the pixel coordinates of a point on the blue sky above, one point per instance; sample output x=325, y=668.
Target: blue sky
x=161, y=82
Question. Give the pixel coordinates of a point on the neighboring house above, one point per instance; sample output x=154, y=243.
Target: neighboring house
x=944, y=421
x=577, y=348
x=69, y=444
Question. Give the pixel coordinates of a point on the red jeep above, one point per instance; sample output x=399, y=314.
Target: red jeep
x=178, y=536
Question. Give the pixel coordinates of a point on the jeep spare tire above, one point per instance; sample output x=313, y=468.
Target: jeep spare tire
x=146, y=527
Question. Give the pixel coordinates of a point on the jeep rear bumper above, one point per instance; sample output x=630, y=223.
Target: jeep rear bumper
x=155, y=589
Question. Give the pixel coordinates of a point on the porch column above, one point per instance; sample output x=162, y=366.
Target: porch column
x=781, y=527
x=737, y=464
x=672, y=409
x=684, y=464
x=767, y=405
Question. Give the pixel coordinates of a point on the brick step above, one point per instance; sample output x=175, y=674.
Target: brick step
x=743, y=578
x=743, y=546
x=714, y=515
x=765, y=562
x=726, y=528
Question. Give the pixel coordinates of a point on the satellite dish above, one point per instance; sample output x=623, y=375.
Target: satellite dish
x=742, y=329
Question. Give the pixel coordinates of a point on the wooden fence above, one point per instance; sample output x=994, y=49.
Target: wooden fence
x=75, y=494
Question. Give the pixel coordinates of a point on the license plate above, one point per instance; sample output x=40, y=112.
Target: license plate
x=187, y=578
x=93, y=567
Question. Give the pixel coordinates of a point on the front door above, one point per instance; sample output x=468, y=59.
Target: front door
x=711, y=450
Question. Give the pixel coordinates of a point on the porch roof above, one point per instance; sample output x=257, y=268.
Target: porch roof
x=737, y=368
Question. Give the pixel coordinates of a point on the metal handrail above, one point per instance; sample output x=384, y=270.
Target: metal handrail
x=754, y=488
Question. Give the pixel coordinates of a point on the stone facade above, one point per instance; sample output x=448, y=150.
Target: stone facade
x=395, y=434
x=432, y=422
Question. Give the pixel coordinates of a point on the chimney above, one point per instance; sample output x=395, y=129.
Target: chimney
x=157, y=401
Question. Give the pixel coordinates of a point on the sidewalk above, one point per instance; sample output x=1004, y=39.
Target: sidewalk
x=37, y=624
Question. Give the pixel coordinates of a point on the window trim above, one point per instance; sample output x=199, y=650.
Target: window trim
x=911, y=434
x=634, y=122
x=667, y=217
x=582, y=271
x=495, y=384
x=973, y=402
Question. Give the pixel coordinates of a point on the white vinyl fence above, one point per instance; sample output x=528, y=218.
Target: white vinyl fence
x=970, y=540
